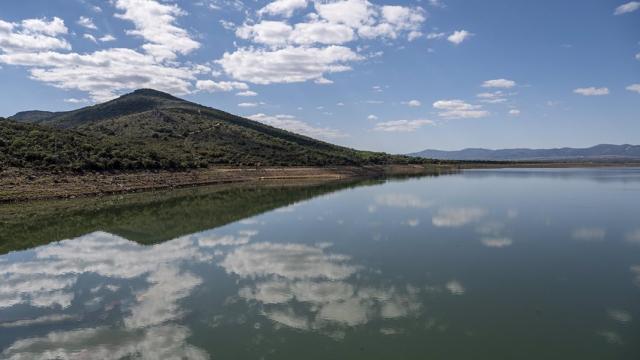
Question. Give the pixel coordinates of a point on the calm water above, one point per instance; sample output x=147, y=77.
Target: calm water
x=487, y=264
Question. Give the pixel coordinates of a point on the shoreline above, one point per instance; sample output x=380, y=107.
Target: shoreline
x=19, y=185
x=23, y=185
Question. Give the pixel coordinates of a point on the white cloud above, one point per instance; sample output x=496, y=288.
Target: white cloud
x=323, y=81
x=372, y=21
x=495, y=97
x=107, y=38
x=222, y=86
x=458, y=109
x=412, y=103
x=372, y=117
x=247, y=93
x=43, y=26
x=592, y=91
x=287, y=65
x=638, y=56
x=266, y=32
x=284, y=8
x=459, y=36
x=279, y=33
x=437, y=3
x=290, y=123
x=634, y=88
x=33, y=35
x=456, y=217
x=499, y=83
x=90, y=38
x=87, y=22
x=631, y=6
x=514, y=112
x=435, y=35
x=76, y=101
x=353, y=13
x=155, y=22
x=321, y=32
x=104, y=72
x=402, y=125
x=248, y=104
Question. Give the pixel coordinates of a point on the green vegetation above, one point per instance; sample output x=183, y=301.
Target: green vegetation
x=148, y=129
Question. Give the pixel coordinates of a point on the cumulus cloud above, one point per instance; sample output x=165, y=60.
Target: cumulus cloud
x=459, y=36
x=634, y=88
x=436, y=35
x=514, y=112
x=372, y=117
x=87, y=22
x=592, y=91
x=155, y=22
x=107, y=38
x=76, y=101
x=402, y=125
x=34, y=43
x=499, y=83
x=248, y=104
x=222, y=86
x=247, y=93
x=290, y=123
x=90, y=38
x=310, y=49
x=287, y=65
x=104, y=72
x=33, y=35
x=284, y=8
x=412, y=103
x=631, y=6
x=458, y=109
x=494, y=97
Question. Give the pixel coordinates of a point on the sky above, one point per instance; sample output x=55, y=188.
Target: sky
x=384, y=75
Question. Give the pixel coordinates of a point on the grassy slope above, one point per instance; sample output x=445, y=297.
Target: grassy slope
x=149, y=130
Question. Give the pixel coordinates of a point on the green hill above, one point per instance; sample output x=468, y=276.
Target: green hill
x=148, y=129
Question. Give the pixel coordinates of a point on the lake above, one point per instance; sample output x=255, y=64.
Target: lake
x=484, y=264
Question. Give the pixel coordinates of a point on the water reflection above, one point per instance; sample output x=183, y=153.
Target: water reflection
x=459, y=265
x=306, y=288
x=51, y=278
x=139, y=291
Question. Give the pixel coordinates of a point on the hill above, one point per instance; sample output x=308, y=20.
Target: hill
x=149, y=129
x=603, y=152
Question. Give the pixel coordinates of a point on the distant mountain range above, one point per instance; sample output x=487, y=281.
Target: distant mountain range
x=149, y=129
x=603, y=152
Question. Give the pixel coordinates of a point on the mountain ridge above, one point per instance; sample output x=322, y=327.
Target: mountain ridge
x=600, y=152
x=149, y=129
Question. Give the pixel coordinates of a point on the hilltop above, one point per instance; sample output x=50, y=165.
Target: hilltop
x=598, y=153
x=149, y=129
x=150, y=140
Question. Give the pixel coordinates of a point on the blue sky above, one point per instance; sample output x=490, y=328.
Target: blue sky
x=396, y=76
